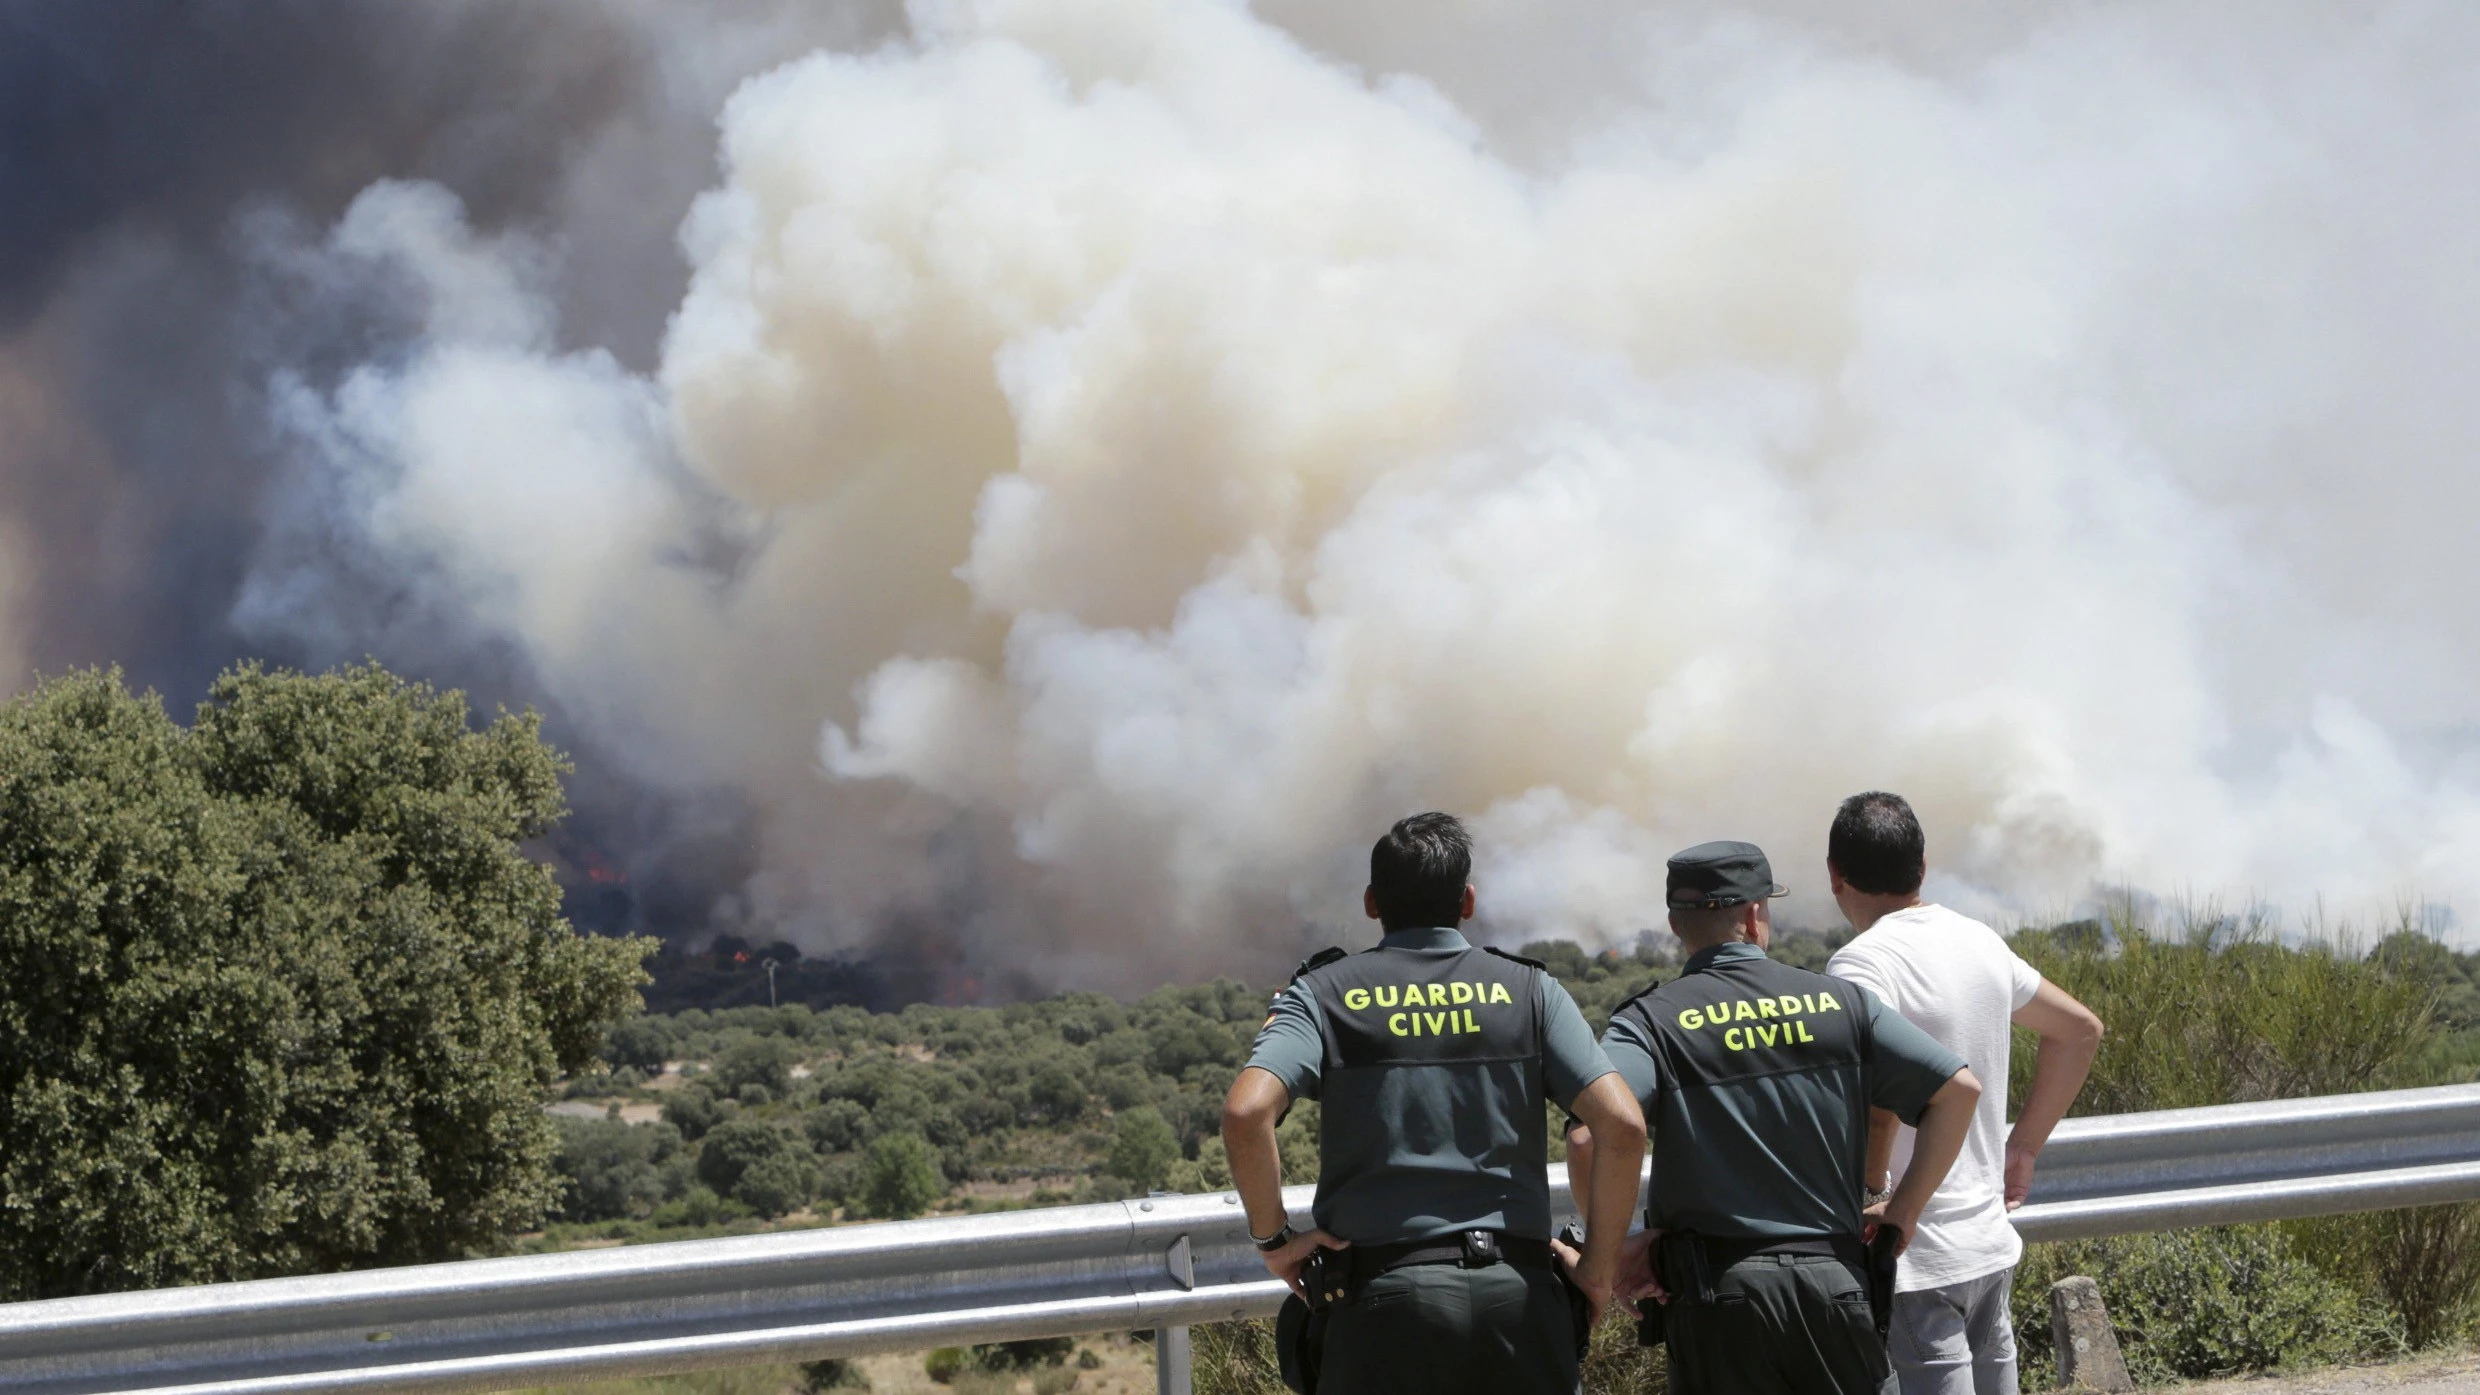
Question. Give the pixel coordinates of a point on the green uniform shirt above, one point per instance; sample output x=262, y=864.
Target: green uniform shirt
x=1445, y=1134
x=1756, y=1078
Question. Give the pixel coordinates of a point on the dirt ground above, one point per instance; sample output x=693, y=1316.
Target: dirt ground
x=1127, y=1369
x=2458, y=1374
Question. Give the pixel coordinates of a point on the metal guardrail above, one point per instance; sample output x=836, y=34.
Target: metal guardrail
x=1162, y=1263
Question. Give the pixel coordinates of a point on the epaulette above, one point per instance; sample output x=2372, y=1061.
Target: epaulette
x=1528, y=963
x=1636, y=997
x=1319, y=960
x=1642, y=993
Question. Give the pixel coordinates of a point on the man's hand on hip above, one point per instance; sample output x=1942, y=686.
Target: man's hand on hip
x=1639, y=1275
x=1879, y=1215
x=1285, y=1263
x=1597, y=1295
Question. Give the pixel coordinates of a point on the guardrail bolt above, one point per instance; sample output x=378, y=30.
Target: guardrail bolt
x=2088, y=1355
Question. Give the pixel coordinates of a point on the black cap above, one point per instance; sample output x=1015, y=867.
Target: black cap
x=1712, y=875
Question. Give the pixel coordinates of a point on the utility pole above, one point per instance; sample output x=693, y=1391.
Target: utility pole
x=770, y=983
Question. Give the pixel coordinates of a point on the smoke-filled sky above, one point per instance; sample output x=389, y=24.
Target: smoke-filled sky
x=1049, y=480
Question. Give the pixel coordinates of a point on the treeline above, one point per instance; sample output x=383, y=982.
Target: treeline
x=767, y=1112
x=757, y=1113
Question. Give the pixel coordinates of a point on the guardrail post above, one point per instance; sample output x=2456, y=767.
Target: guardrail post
x=1171, y=1363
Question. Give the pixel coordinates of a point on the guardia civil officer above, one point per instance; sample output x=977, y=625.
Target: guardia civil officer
x=1757, y=1079
x=1433, y=1060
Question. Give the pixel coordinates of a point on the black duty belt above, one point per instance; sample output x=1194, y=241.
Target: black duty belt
x=1472, y=1249
x=1691, y=1262
x=1721, y=1254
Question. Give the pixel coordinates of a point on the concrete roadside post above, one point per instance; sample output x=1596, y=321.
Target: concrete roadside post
x=2088, y=1355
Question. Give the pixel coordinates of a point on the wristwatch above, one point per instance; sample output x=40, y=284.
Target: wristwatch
x=1871, y=1196
x=1276, y=1241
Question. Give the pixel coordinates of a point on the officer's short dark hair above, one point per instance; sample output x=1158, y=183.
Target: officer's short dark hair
x=1418, y=872
x=1877, y=845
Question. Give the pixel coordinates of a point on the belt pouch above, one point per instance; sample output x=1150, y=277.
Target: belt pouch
x=1300, y=1344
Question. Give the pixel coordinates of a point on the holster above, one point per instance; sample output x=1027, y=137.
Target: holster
x=1881, y=1270
x=1300, y=1344
x=1680, y=1260
x=1579, y=1307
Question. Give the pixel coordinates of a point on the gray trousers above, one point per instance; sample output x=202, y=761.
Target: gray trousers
x=1956, y=1340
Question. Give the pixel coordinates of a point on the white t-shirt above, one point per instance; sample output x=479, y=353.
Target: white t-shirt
x=1957, y=981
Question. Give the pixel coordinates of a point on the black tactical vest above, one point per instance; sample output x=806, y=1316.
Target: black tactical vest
x=1761, y=1125
x=1432, y=1094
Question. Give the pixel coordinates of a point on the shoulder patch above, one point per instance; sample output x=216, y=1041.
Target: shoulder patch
x=1528, y=963
x=1319, y=960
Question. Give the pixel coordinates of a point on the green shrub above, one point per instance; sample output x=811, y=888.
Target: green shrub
x=692, y=1109
x=835, y=1373
x=733, y=1147
x=765, y=1062
x=640, y=1043
x=904, y=1176
x=943, y=1363
x=844, y=1181
x=1024, y=1355
x=280, y=991
x=612, y=1169
x=2220, y=1013
x=2195, y=1304
x=2424, y=1262
x=698, y=1207
x=1143, y=1148
x=837, y=1126
x=778, y=1184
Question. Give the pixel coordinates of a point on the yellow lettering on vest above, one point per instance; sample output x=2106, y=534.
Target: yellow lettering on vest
x=1469, y=1024
x=1765, y=1008
x=1395, y=1024
x=1803, y=1026
x=1498, y=993
x=1459, y=992
x=1387, y=995
x=1730, y=1038
x=1826, y=1003
x=1790, y=1004
x=1356, y=998
x=1437, y=995
x=1691, y=1019
x=1767, y=1034
x=1744, y=1013
x=1437, y=1020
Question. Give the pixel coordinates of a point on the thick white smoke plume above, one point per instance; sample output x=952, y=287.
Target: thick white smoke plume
x=1112, y=458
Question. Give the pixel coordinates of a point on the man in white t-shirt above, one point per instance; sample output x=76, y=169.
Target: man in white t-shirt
x=1955, y=979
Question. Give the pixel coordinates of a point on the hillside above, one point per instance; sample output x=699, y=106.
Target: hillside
x=710, y=1120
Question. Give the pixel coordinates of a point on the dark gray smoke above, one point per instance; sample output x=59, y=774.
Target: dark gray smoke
x=151, y=155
